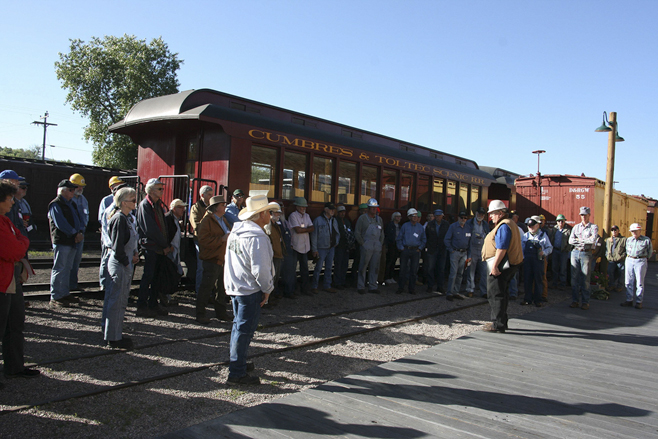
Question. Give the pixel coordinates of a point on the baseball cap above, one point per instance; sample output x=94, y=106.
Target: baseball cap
x=238, y=192
x=67, y=183
x=341, y=208
x=584, y=210
x=177, y=202
x=438, y=212
x=330, y=205
x=153, y=181
x=9, y=175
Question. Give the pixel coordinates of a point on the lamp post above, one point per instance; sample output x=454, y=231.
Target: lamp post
x=539, y=152
x=609, y=126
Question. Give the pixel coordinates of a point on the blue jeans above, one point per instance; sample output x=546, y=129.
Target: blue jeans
x=104, y=274
x=61, y=274
x=636, y=270
x=514, y=285
x=533, y=275
x=560, y=259
x=73, y=278
x=341, y=261
x=478, y=266
x=616, y=273
x=302, y=258
x=457, y=261
x=116, y=299
x=581, y=266
x=326, y=256
x=246, y=312
x=409, y=260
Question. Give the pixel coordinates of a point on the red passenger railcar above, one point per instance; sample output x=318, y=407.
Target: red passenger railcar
x=239, y=143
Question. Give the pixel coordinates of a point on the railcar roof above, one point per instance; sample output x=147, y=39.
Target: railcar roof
x=207, y=105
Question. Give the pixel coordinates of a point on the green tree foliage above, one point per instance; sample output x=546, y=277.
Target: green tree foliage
x=29, y=153
x=105, y=78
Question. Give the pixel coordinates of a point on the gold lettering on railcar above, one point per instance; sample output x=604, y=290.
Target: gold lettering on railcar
x=346, y=152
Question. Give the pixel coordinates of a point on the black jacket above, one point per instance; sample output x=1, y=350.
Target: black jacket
x=434, y=240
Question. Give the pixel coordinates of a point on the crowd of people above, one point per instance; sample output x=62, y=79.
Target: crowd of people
x=249, y=251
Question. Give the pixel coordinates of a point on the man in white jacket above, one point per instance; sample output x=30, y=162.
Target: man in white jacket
x=248, y=278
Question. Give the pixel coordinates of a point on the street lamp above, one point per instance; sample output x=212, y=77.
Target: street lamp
x=539, y=152
x=609, y=126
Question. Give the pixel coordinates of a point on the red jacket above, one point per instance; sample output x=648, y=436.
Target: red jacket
x=13, y=248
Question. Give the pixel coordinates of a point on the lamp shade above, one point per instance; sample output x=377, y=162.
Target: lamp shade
x=603, y=129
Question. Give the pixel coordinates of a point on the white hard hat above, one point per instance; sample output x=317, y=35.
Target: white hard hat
x=373, y=203
x=635, y=226
x=496, y=205
x=412, y=211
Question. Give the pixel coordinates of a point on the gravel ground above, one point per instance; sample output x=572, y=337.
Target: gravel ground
x=167, y=405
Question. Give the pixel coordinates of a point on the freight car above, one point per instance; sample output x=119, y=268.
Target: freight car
x=43, y=177
x=552, y=195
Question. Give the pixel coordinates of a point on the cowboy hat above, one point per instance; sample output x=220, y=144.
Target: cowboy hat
x=257, y=204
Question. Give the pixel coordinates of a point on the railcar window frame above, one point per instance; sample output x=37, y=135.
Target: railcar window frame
x=273, y=173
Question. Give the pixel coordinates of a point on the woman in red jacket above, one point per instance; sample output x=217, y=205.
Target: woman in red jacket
x=12, y=307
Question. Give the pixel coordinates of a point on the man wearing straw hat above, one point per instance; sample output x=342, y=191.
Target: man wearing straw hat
x=249, y=279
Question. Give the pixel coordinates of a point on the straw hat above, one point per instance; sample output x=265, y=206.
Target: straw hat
x=257, y=204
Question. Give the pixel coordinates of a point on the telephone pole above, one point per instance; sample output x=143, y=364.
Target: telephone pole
x=45, y=127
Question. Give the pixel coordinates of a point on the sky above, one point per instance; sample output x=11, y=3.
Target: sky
x=487, y=80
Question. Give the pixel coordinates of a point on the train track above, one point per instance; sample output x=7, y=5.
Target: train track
x=266, y=352
x=47, y=263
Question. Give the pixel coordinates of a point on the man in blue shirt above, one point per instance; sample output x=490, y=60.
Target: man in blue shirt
x=410, y=241
x=66, y=232
x=479, y=228
x=83, y=213
x=233, y=209
x=457, y=241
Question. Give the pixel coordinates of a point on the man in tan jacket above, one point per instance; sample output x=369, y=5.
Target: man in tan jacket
x=212, y=232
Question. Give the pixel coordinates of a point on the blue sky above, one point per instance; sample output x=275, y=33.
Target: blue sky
x=488, y=80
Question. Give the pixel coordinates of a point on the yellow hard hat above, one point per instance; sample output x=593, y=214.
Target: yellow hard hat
x=115, y=180
x=542, y=217
x=78, y=179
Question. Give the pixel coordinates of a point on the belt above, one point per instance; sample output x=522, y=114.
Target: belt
x=637, y=257
x=409, y=247
x=461, y=250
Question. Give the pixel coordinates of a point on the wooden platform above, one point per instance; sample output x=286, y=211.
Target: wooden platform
x=558, y=373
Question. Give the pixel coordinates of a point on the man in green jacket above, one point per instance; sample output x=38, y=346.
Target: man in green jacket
x=615, y=253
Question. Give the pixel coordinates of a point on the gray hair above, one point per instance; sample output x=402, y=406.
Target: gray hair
x=395, y=214
x=119, y=197
x=254, y=217
x=205, y=189
x=149, y=188
x=61, y=190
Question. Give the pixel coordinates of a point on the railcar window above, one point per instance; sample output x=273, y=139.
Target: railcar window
x=406, y=191
x=347, y=183
x=463, y=196
x=323, y=171
x=475, y=198
x=192, y=155
x=389, y=186
x=368, y=183
x=451, y=198
x=424, y=203
x=439, y=193
x=263, y=170
x=294, y=175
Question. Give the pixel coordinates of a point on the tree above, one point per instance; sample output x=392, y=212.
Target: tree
x=105, y=78
x=29, y=153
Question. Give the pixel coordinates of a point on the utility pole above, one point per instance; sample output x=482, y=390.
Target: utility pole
x=45, y=127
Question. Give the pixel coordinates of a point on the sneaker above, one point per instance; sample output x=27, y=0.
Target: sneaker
x=59, y=303
x=524, y=303
x=440, y=293
x=361, y=291
x=243, y=380
x=574, y=305
x=25, y=373
x=638, y=305
x=627, y=303
x=125, y=343
x=585, y=306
